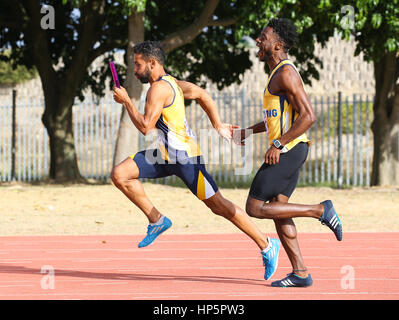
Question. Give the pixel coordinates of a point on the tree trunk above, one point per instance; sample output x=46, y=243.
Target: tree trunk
x=59, y=93
x=128, y=135
x=385, y=126
x=57, y=118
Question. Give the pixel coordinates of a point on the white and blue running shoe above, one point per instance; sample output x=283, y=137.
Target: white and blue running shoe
x=270, y=258
x=154, y=231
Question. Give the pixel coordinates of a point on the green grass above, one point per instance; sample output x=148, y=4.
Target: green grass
x=325, y=184
x=347, y=120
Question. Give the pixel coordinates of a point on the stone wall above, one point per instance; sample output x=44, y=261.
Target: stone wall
x=342, y=72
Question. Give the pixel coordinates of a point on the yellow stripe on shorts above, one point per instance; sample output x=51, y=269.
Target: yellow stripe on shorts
x=204, y=188
x=201, y=186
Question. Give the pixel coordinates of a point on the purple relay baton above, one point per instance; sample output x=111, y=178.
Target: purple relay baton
x=114, y=74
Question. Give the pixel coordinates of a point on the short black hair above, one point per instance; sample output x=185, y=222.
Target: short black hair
x=150, y=49
x=286, y=32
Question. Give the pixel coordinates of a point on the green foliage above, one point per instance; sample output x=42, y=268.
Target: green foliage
x=310, y=21
x=332, y=185
x=13, y=74
x=216, y=52
x=375, y=28
x=63, y=41
x=136, y=5
x=362, y=117
x=328, y=118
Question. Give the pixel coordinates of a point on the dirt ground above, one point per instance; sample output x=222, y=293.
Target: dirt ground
x=103, y=209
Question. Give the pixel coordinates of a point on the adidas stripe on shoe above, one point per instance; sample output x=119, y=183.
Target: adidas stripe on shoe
x=330, y=219
x=293, y=280
x=153, y=231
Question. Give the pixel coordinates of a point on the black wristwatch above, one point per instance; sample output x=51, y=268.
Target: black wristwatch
x=278, y=144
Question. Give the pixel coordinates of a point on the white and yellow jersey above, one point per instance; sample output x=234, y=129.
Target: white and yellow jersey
x=278, y=113
x=175, y=138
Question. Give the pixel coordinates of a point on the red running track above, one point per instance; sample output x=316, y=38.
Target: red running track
x=194, y=267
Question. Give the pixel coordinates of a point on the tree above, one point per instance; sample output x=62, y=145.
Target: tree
x=127, y=139
x=374, y=25
x=62, y=55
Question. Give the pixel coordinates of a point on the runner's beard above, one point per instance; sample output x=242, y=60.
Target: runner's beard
x=145, y=77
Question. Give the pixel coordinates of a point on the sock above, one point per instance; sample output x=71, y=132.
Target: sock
x=300, y=276
x=269, y=246
x=160, y=221
x=324, y=209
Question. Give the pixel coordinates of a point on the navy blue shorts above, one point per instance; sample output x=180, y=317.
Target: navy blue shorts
x=191, y=170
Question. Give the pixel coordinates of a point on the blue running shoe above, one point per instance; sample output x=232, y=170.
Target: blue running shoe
x=330, y=219
x=154, y=231
x=270, y=258
x=293, y=280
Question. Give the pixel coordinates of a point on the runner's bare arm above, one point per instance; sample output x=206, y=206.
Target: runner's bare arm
x=157, y=97
x=194, y=92
x=258, y=128
x=290, y=83
x=239, y=135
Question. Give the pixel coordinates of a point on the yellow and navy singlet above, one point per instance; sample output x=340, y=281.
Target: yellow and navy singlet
x=175, y=139
x=278, y=113
x=178, y=152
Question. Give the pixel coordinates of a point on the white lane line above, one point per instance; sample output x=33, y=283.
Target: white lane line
x=103, y=283
x=16, y=285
